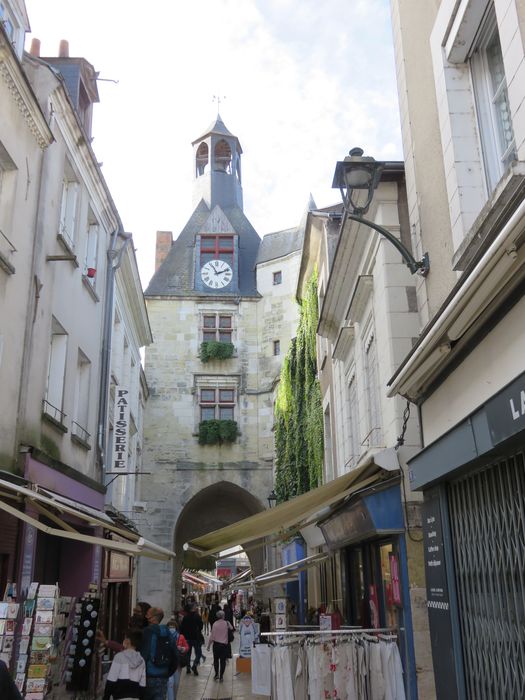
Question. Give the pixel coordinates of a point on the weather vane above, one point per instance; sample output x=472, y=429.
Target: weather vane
x=218, y=99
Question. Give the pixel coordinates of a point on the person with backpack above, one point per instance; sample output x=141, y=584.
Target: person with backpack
x=159, y=651
x=127, y=675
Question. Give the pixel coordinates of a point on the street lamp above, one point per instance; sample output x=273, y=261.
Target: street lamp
x=272, y=499
x=358, y=172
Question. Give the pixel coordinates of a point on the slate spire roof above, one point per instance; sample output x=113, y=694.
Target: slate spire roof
x=217, y=127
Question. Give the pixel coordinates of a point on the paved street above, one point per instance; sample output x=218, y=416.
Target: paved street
x=203, y=687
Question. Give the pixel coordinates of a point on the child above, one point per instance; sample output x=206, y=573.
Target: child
x=127, y=675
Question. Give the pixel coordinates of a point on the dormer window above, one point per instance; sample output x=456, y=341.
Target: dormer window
x=223, y=157
x=202, y=159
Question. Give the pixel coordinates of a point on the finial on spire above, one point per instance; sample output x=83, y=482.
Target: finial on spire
x=218, y=99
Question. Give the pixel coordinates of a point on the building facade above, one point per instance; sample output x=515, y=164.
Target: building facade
x=222, y=312
x=463, y=134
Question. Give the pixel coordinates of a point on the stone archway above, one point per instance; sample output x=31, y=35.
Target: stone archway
x=210, y=509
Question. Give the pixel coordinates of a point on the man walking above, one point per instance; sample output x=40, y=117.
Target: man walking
x=159, y=653
x=191, y=627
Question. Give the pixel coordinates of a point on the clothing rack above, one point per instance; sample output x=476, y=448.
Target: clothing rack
x=347, y=631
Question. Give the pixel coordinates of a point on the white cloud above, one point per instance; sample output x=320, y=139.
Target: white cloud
x=304, y=82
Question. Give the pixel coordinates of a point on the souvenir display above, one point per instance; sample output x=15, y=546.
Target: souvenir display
x=80, y=643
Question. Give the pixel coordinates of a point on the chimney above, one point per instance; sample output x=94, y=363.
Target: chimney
x=63, y=49
x=163, y=247
x=35, y=47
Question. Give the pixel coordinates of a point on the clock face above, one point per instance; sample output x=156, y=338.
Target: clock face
x=216, y=274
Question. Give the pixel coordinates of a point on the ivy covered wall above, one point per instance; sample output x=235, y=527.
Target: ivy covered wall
x=298, y=409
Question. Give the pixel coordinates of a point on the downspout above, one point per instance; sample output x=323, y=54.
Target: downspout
x=114, y=261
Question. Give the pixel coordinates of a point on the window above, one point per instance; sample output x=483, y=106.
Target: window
x=68, y=211
x=54, y=397
x=353, y=423
x=372, y=391
x=7, y=21
x=202, y=159
x=328, y=458
x=276, y=347
x=217, y=327
x=217, y=403
x=214, y=247
x=277, y=277
x=91, y=254
x=223, y=157
x=492, y=103
x=8, y=176
x=81, y=406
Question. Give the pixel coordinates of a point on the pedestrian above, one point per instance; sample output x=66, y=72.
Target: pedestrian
x=191, y=627
x=183, y=649
x=219, y=636
x=127, y=675
x=206, y=619
x=228, y=612
x=138, y=617
x=215, y=607
x=8, y=689
x=159, y=653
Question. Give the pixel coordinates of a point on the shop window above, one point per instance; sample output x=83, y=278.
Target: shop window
x=276, y=347
x=53, y=400
x=277, y=277
x=492, y=102
x=217, y=327
x=217, y=404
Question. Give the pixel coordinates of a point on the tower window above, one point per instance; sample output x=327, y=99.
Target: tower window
x=202, y=159
x=217, y=247
x=277, y=277
x=217, y=404
x=223, y=157
x=217, y=327
x=276, y=347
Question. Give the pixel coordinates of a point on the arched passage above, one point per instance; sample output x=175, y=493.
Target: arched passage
x=210, y=509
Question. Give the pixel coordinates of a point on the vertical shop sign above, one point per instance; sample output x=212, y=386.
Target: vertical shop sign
x=119, y=457
x=394, y=574
x=374, y=606
x=438, y=600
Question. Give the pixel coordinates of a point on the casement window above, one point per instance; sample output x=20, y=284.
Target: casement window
x=7, y=21
x=375, y=433
x=68, y=211
x=81, y=405
x=276, y=347
x=277, y=277
x=353, y=421
x=214, y=247
x=218, y=327
x=54, y=398
x=91, y=253
x=8, y=177
x=217, y=403
x=492, y=102
x=328, y=457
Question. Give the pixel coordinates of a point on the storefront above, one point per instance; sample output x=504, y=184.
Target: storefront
x=473, y=480
x=368, y=534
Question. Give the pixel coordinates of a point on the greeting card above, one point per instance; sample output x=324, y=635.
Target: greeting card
x=8, y=644
x=2, y=626
x=44, y=616
x=40, y=643
x=47, y=591
x=35, y=685
x=21, y=664
x=33, y=588
x=43, y=629
x=45, y=603
x=26, y=627
x=12, y=611
x=37, y=671
x=29, y=607
x=10, y=626
x=24, y=645
x=20, y=680
x=3, y=610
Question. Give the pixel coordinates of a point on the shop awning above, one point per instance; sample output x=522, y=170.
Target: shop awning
x=288, y=571
x=291, y=514
x=52, y=506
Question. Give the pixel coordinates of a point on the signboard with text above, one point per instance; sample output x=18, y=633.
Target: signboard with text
x=119, y=455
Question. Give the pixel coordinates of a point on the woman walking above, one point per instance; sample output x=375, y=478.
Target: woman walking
x=219, y=637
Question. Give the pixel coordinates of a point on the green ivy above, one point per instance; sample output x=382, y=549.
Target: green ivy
x=215, y=350
x=217, y=432
x=298, y=408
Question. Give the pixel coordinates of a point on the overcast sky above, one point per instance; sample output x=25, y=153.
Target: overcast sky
x=303, y=81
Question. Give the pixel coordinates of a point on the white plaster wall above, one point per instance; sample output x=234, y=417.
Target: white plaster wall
x=492, y=364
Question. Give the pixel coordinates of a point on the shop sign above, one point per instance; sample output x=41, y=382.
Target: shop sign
x=438, y=601
x=506, y=411
x=119, y=565
x=119, y=456
x=394, y=577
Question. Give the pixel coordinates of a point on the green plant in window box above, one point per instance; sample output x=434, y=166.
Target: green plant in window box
x=217, y=432
x=215, y=350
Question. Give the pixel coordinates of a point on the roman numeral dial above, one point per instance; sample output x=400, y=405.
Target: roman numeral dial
x=216, y=274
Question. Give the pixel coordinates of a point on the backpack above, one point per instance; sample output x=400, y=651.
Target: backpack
x=163, y=651
x=183, y=656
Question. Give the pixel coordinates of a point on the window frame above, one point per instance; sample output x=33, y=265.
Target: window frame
x=277, y=277
x=276, y=347
x=218, y=403
x=217, y=330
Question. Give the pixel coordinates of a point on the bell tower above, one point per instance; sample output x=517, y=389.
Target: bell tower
x=217, y=168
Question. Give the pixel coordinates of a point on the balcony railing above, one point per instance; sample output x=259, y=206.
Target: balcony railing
x=54, y=414
x=79, y=433
x=6, y=250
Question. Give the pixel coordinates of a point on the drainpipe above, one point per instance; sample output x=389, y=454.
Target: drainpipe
x=114, y=256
